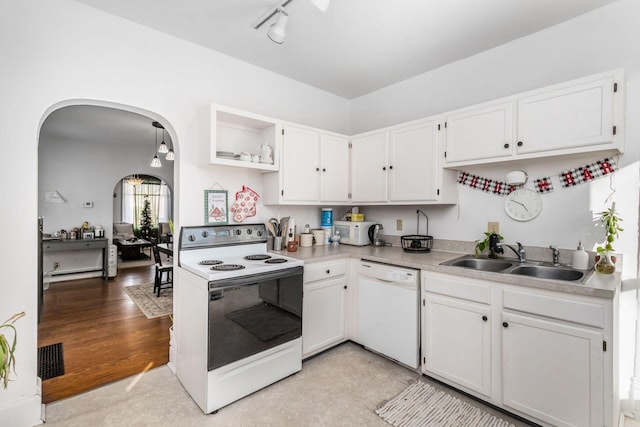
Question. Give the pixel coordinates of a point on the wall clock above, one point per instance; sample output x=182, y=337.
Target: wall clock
x=523, y=204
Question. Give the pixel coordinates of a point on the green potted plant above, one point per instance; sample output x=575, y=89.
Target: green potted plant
x=481, y=245
x=8, y=348
x=605, y=261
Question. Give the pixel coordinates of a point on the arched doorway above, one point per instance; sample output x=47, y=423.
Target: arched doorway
x=84, y=148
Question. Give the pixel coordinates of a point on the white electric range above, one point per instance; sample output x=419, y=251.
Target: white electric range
x=239, y=313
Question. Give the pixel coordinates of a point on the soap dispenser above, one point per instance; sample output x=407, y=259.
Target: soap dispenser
x=580, y=259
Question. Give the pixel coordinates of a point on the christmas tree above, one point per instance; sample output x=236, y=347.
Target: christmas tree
x=145, y=219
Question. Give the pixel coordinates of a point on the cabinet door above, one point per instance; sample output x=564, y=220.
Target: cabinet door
x=369, y=164
x=577, y=116
x=552, y=371
x=480, y=133
x=323, y=315
x=456, y=342
x=301, y=165
x=413, y=162
x=334, y=174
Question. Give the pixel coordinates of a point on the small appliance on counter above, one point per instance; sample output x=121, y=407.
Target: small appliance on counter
x=375, y=235
x=353, y=233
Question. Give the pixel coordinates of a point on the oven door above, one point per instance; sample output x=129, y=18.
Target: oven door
x=250, y=314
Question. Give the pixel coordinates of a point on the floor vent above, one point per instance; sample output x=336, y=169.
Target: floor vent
x=50, y=361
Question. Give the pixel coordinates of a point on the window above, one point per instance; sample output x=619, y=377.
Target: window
x=133, y=196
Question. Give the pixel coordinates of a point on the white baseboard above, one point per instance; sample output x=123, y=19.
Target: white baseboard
x=25, y=412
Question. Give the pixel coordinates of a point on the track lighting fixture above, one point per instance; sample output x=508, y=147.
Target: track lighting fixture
x=277, y=31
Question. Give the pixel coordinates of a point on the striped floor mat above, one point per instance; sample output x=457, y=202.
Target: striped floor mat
x=422, y=405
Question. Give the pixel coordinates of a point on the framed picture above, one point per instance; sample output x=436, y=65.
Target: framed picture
x=87, y=235
x=216, y=207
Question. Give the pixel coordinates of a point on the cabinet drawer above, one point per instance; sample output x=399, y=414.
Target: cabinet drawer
x=583, y=312
x=457, y=287
x=324, y=270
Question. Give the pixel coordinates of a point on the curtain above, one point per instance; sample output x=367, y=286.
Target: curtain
x=133, y=198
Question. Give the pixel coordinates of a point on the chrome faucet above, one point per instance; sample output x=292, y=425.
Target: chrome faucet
x=556, y=254
x=497, y=247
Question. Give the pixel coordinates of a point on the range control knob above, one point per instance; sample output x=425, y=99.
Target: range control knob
x=249, y=231
x=259, y=233
x=205, y=234
x=191, y=238
x=237, y=232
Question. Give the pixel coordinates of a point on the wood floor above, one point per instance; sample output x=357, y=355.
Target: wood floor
x=105, y=336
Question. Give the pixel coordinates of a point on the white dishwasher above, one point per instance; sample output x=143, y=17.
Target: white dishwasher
x=388, y=311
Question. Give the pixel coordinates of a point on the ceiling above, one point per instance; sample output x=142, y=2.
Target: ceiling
x=357, y=46
x=100, y=125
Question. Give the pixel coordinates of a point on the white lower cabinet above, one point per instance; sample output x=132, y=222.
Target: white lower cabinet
x=546, y=356
x=461, y=350
x=552, y=371
x=324, y=308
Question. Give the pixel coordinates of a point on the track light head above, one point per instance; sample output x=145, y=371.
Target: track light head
x=277, y=31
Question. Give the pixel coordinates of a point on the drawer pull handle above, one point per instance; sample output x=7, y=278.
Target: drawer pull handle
x=485, y=318
x=505, y=324
x=520, y=143
x=345, y=286
x=328, y=271
x=506, y=145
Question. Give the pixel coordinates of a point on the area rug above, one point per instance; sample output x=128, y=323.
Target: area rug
x=147, y=301
x=50, y=361
x=422, y=405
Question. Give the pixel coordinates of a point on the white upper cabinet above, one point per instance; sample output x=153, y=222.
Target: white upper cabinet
x=301, y=155
x=334, y=168
x=413, y=162
x=314, y=168
x=369, y=168
x=234, y=132
x=580, y=116
x=479, y=133
x=400, y=165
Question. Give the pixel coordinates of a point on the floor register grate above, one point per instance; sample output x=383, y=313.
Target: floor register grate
x=50, y=361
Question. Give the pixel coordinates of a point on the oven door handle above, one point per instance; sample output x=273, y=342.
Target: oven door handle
x=255, y=278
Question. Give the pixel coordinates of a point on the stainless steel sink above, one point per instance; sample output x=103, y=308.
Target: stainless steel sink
x=482, y=264
x=548, y=272
x=536, y=269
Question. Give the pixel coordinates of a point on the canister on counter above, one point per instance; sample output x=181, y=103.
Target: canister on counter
x=328, y=232
x=326, y=220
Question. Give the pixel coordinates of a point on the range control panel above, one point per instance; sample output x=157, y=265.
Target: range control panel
x=207, y=236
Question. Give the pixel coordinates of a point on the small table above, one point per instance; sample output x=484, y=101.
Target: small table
x=56, y=245
x=132, y=249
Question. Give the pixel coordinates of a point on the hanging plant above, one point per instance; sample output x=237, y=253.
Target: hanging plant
x=605, y=262
x=8, y=348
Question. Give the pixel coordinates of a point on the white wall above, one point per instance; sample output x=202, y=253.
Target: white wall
x=89, y=172
x=57, y=51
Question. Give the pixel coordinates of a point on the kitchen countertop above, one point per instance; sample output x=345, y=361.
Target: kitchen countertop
x=598, y=285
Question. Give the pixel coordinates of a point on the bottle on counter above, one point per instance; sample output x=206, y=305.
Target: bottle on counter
x=580, y=259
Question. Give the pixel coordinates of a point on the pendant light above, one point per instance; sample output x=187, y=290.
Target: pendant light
x=163, y=149
x=155, y=163
x=134, y=180
x=170, y=155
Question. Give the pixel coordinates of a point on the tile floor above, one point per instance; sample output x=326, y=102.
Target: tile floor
x=341, y=387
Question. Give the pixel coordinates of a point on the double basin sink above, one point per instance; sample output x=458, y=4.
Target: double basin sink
x=539, y=270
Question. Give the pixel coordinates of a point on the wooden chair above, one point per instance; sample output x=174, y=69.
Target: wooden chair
x=164, y=273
